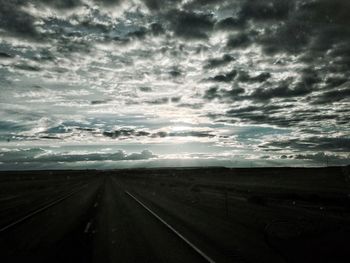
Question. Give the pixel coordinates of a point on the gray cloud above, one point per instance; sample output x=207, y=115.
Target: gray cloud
x=190, y=25
x=322, y=158
x=262, y=10
x=230, y=23
x=216, y=93
x=42, y=156
x=226, y=77
x=262, y=77
x=157, y=28
x=269, y=114
x=315, y=143
x=65, y=4
x=333, y=96
x=27, y=67
x=126, y=133
x=145, y=89
x=15, y=21
x=333, y=82
x=240, y=40
x=218, y=62
x=109, y=2
x=158, y=101
x=282, y=91
x=94, y=58
x=322, y=21
x=5, y=55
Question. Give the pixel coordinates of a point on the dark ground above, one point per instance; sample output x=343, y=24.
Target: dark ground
x=233, y=215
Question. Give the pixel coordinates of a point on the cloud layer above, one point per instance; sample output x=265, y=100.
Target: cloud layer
x=39, y=155
x=155, y=73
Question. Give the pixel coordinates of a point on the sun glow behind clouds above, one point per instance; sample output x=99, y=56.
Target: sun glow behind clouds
x=179, y=128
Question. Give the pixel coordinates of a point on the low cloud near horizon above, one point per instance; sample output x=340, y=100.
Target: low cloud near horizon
x=41, y=155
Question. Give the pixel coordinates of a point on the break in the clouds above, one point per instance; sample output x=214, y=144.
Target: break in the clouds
x=116, y=83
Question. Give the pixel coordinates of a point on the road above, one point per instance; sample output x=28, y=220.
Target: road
x=98, y=223
x=89, y=216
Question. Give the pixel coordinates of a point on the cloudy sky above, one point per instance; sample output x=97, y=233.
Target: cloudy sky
x=141, y=83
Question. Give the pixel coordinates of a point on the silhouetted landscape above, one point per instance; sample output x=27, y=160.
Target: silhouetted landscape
x=231, y=215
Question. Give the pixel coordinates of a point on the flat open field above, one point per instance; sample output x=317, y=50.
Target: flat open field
x=176, y=215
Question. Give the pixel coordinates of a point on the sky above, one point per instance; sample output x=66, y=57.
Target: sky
x=147, y=83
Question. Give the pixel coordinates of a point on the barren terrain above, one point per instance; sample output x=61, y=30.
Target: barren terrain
x=218, y=214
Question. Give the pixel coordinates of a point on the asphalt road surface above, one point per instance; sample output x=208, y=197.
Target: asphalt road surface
x=97, y=223
x=92, y=216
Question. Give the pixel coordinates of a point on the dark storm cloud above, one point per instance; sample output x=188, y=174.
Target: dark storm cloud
x=175, y=72
x=99, y=102
x=216, y=93
x=233, y=93
x=125, y=133
x=225, y=77
x=157, y=29
x=267, y=114
x=240, y=40
x=218, y=62
x=262, y=10
x=283, y=90
x=285, y=115
x=312, y=27
x=175, y=99
x=190, y=25
x=291, y=38
x=309, y=77
x=333, y=96
x=65, y=4
x=199, y=134
x=316, y=143
x=230, y=23
x=245, y=77
x=109, y=2
x=5, y=55
x=15, y=21
x=153, y=4
x=26, y=67
x=157, y=6
x=262, y=118
x=199, y=3
x=73, y=45
x=145, y=89
x=137, y=33
x=340, y=56
x=212, y=93
x=333, y=82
